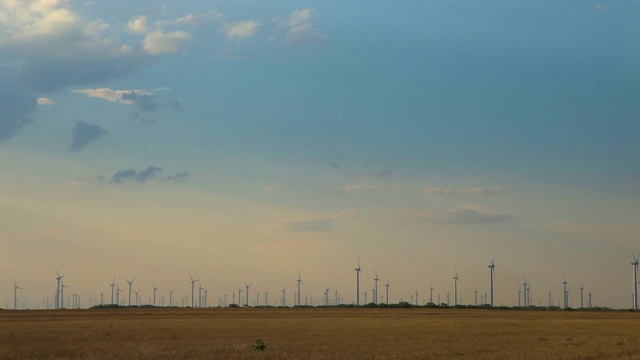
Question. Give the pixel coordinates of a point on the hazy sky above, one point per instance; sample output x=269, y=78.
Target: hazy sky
x=239, y=141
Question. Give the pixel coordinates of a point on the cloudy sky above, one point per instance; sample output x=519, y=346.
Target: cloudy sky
x=242, y=141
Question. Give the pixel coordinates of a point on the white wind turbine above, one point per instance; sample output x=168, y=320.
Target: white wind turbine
x=239, y=296
x=154, y=294
x=193, y=292
x=357, y=269
x=375, y=289
x=326, y=296
x=284, y=295
x=431, y=293
x=59, y=278
x=130, y=282
x=635, y=281
x=581, y=296
x=566, y=293
x=299, y=282
x=246, y=294
x=387, y=286
x=455, y=284
x=113, y=285
x=171, y=297
x=492, y=267
x=15, y=294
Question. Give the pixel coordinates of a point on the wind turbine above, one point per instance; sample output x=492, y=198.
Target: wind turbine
x=387, y=285
x=492, y=268
x=15, y=294
x=581, y=296
x=358, y=283
x=171, y=297
x=113, y=285
x=246, y=294
x=431, y=293
x=239, y=296
x=117, y=293
x=375, y=289
x=62, y=286
x=326, y=296
x=299, y=281
x=635, y=281
x=200, y=294
x=193, y=283
x=137, y=296
x=455, y=284
x=284, y=293
x=566, y=294
x=130, y=282
x=525, y=294
x=59, y=278
x=154, y=294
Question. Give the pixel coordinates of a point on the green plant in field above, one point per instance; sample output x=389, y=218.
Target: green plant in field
x=259, y=345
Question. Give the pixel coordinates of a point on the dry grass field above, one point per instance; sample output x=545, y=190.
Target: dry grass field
x=318, y=334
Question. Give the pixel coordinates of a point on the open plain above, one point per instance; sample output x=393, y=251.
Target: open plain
x=318, y=333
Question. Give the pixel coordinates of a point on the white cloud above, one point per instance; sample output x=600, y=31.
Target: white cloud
x=359, y=187
x=475, y=191
x=50, y=28
x=45, y=101
x=138, y=25
x=241, y=29
x=299, y=28
x=460, y=216
x=113, y=95
x=198, y=18
x=159, y=43
x=601, y=7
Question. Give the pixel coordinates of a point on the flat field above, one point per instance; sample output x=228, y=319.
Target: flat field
x=317, y=333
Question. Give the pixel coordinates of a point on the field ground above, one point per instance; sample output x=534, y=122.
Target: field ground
x=317, y=333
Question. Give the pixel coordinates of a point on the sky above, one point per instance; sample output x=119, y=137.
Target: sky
x=246, y=141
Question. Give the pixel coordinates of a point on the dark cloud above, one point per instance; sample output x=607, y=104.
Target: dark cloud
x=84, y=133
x=473, y=216
x=312, y=225
x=136, y=176
x=16, y=107
x=44, y=76
x=144, y=102
x=183, y=176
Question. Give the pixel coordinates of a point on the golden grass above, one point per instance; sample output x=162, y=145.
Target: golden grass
x=318, y=334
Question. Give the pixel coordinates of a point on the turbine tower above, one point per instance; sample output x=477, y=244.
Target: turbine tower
x=635, y=281
x=358, y=283
x=193, y=284
x=284, y=293
x=326, y=296
x=492, y=268
x=375, y=295
x=15, y=294
x=455, y=285
x=581, y=296
x=59, y=278
x=246, y=295
x=171, y=297
x=154, y=294
x=299, y=281
x=387, y=285
x=113, y=285
x=525, y=294
x=566, y=294
x=130, y=282
x=431, y=293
